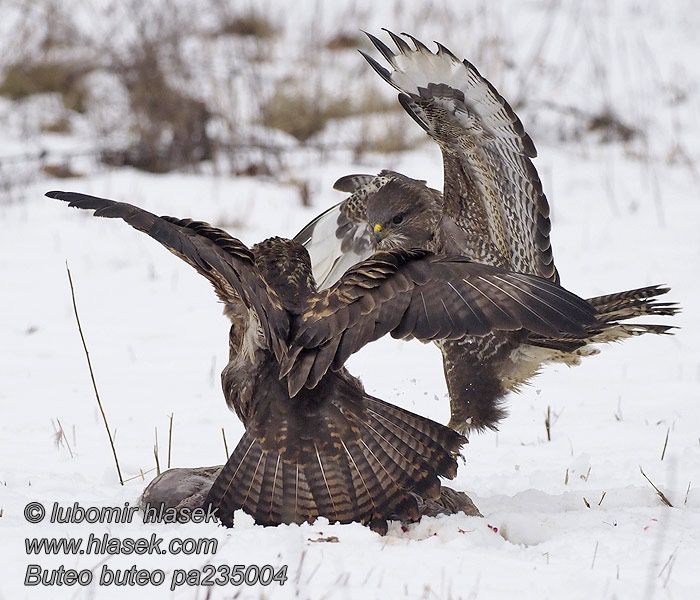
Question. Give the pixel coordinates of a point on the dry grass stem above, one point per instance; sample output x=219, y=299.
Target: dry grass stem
x=92, y=376
x=155, y=453
x=62, y=432
x=585, y=477
x=170, y=439
x=141, y=475
x=223, y=433
x=658, y=491
x=668, y=565
x=618, y=414
x=663, y=452
x=595, y=553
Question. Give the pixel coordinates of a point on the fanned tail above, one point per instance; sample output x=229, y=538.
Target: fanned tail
x=613, y=309
x=366, y=477
x=622, y=306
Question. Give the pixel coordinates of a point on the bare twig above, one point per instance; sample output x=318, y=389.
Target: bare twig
x=92, y=375
x=658, y=491
x=547, y=424
x=601, y=499
x=685, y=500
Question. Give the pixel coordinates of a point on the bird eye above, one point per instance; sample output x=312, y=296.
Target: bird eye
x=397, y=219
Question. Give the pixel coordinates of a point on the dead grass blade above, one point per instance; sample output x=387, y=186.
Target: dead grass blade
x=658, y=491
x=92, y=376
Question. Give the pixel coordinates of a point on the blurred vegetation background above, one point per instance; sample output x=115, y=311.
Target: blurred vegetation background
x=253, y=88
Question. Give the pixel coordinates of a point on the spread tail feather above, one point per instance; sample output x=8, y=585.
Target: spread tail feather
x=621, y=306
x=368, y=477
x=612, y=309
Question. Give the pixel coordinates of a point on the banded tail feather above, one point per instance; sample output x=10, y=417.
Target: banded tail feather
x=394, y=456
x=614, y=308
x=639, y=302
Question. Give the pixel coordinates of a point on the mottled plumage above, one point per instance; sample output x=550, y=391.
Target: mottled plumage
x=315, y=444
x=492, y=210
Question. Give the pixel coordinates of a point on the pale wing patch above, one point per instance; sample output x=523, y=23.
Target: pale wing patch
x=489, y=177
x=330, y=254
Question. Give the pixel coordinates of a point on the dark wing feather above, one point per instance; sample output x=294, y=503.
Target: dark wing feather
x=491, y=188
x=417, y=294
x=225, y=261
x=353, y=183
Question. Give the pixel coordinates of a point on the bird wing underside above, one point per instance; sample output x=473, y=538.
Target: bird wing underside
x=491, y=188
x=339, y=237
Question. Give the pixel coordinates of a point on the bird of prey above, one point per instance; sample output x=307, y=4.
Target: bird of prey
x=315, y=444
x=492, y=210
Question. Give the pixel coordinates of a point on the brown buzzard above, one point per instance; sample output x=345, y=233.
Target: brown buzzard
x=315, y=444
x=492, y=210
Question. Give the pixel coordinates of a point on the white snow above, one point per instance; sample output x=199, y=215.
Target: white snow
x=568, y=518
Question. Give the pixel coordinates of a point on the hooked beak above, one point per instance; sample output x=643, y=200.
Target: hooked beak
x=379, y=233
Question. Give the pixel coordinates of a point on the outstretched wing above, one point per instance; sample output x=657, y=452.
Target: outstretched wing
x=492, y=189
x=340, y=237
x=429, y=297
x=225, y=261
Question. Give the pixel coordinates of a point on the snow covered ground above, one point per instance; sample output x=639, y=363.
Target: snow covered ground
x=572, y=517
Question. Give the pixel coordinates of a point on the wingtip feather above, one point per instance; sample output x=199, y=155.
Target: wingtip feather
x=381, y=71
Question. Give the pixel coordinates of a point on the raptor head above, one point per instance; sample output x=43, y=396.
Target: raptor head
x=404, y=213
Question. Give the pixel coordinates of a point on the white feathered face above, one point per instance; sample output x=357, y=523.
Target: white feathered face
x=403, y=214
